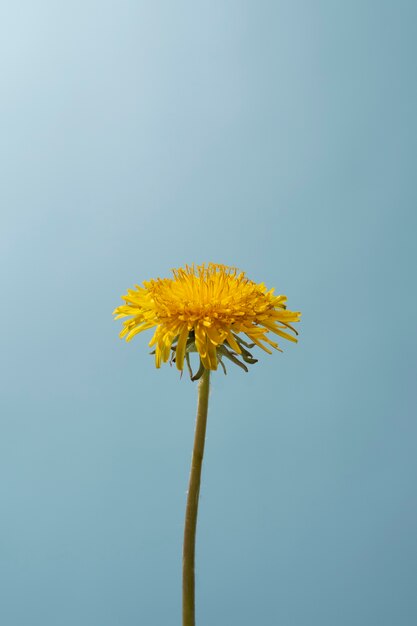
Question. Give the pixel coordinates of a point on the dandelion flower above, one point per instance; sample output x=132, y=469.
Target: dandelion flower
x=206, y=309
x=217, y=312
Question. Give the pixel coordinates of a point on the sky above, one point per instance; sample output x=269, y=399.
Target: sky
x=278, y=137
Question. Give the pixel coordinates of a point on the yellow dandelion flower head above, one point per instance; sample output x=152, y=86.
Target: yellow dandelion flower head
x=206, y=309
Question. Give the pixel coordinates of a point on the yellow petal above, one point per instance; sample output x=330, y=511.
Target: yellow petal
x=233, y=343
x=201, y=340
x=181, y=346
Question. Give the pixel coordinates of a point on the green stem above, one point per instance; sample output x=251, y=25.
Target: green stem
x=188, y=559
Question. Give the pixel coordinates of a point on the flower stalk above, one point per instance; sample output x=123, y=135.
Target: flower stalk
x=188, y=578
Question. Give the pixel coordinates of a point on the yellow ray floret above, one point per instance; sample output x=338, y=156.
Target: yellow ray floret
x=205, y=308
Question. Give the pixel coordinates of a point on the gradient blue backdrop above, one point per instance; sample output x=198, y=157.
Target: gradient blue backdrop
x=276, y=136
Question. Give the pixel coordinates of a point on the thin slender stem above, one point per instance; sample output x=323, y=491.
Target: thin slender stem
x=188, y=559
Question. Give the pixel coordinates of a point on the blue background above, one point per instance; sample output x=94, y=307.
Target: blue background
x=276, y=136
